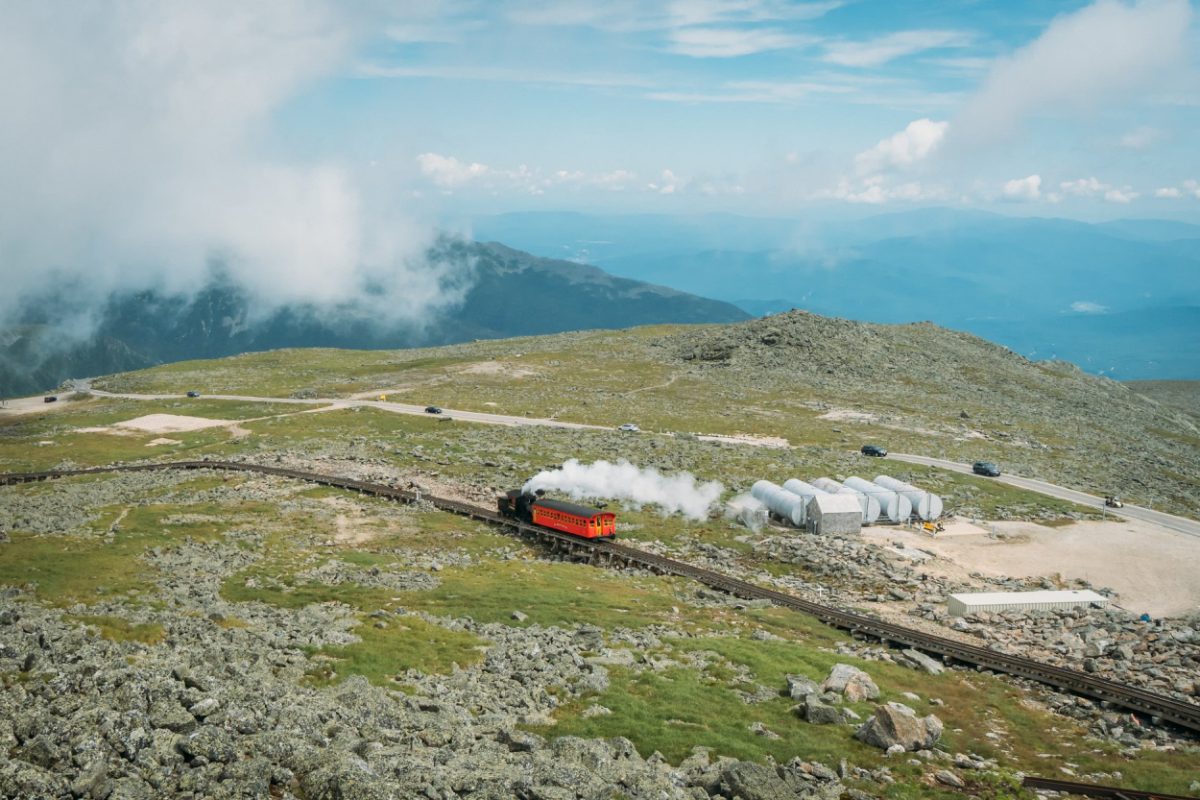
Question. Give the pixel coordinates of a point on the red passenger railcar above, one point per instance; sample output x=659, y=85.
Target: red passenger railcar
x=577, y=520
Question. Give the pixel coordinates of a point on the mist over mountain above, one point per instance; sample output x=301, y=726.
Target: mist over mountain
x=504, y=292
x=1119, y=298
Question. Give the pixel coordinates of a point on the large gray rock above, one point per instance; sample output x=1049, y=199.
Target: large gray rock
x=921, y=661
x=896, y=724
x=852, y=682
x=800, y=687
x=754, y=782
x=820, y=713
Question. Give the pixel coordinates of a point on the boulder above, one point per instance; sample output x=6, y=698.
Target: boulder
x=919, y=660
x=851, y=682
x=800, y=687
x=818, y=712
x=753, y=782
x=895, y=724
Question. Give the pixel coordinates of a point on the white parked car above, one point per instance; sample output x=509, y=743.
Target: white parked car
x=629, y=427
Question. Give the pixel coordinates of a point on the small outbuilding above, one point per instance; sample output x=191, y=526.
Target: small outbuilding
x=835, y=513
x=965, y=603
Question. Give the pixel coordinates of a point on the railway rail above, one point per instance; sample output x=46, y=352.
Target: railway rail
x=1158, y=706
x=1095, y=790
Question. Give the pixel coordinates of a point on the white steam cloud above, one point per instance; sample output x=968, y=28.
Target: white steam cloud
x=625, y=482
x=137, y=151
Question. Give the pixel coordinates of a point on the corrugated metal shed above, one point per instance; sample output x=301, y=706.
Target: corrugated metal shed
x=835, y=513
x=965, y=603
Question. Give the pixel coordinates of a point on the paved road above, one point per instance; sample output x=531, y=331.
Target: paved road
x=1178, y=524
x=1169, y=521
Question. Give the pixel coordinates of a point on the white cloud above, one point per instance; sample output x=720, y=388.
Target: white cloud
x=667, y=183
x=448, y=172
x=1087, y=307
x=499, y=74
x=131, y=156
x=903, y=149
x=1028, y=188
x=732, y=42
x=1083, y=59
x=752, y=92
x=704, y=12
x=1141, y=137
x=1093, y=187
x=638, y=15
x=1124, y=195
x=1085, y=187
x=874, y=52
x=876, y=190
x=1168, y=191
x=1193, y=188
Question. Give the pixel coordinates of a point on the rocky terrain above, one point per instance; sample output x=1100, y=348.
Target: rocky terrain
x=206, y=679
x=220, y=635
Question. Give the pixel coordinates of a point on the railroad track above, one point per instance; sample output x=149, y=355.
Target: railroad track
x=1152, y=704
x=1095, y=790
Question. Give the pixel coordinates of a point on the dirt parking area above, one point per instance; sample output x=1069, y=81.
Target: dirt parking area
x=1153, y=570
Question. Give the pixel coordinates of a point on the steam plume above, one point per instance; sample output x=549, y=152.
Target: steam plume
x=626, y=482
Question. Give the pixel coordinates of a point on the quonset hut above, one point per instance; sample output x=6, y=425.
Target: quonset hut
x=781, y=502
x=926, y=505
x=894, y=505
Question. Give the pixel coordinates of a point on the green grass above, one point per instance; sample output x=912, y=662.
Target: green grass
x=86, y=567
x=676, y=709
x=122, y=630
x=406, y=643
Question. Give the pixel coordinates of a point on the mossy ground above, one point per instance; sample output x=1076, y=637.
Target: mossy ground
x=602, y=378
x=670, y=711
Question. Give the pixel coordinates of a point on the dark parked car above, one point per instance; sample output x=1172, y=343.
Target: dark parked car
x=193, y=394
x=432, y=410
x=50, y=399
x=873, y=450
x=987, y=468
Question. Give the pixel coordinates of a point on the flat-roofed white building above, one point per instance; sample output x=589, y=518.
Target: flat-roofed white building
x=966, y=603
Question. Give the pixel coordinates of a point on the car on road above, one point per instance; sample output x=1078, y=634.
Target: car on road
x=629, y=427
x=193, y=393
x=987, y=468
x=50, y=399
x=873, y=450
x=432, y=410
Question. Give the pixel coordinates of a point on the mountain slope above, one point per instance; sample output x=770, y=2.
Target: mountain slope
x=1110, y=296
x=511, y=294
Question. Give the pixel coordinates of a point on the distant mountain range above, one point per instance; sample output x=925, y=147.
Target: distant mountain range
x=1119, y=298
x=511, y=294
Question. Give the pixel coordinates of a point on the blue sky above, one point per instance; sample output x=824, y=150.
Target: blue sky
x=764, y=106
x=314, y=147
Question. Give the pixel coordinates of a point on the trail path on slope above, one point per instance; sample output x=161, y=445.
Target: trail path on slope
x=1170, y=522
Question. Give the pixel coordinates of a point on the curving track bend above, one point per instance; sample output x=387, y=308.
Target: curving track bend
x=1167, y=709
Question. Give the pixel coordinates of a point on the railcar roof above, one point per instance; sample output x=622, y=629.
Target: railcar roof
x=571, y=508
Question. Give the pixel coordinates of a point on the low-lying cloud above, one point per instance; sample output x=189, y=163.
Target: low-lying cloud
x=622, y=481
x=137, y=152
x=1083, y=59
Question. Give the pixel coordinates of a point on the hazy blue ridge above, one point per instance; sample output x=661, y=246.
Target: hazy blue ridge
x=1117, y=298
x=511, y=294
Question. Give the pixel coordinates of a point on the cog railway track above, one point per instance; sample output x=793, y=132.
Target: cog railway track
x=1152, y=704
